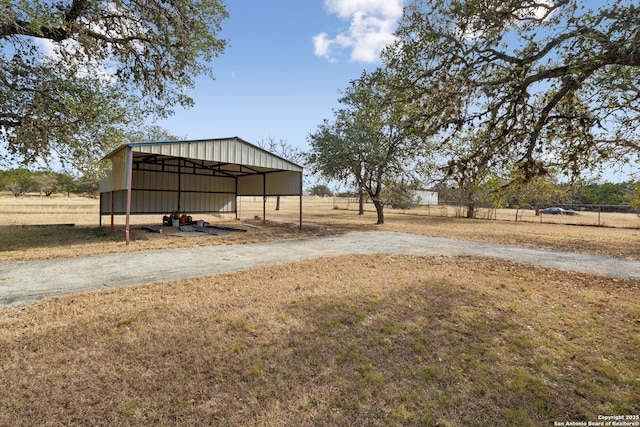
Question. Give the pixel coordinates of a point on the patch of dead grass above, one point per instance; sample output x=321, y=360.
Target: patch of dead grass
x=614, y=242
x=353, y=340
x=25, y=243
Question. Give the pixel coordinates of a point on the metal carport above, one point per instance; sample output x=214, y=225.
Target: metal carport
x=201, y=176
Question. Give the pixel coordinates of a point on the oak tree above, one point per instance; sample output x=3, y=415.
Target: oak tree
x=367, y=143
x=74, y=73
x=539, y=84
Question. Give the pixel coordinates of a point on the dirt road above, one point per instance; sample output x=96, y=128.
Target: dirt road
x=26, y=282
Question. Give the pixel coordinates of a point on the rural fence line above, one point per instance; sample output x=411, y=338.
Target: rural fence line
x=617, y=216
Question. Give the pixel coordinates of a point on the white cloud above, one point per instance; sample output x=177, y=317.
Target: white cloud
x=370, y=31
x=535, y=12
x=322, y=45
x=85, y=67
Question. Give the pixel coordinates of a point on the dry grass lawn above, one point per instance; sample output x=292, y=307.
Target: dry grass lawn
x=22, y=241
x=353, y=340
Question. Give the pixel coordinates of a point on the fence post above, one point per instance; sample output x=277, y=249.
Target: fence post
x=599, y=212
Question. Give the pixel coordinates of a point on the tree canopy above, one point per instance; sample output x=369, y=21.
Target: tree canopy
x=321, y=190
x=76, y=72
x=367, y=143
x=538, y=85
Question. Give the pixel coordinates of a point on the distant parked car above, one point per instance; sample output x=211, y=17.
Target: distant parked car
x=552, y=211
x=558, y=211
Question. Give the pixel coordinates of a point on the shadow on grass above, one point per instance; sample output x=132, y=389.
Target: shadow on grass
x=372, y=351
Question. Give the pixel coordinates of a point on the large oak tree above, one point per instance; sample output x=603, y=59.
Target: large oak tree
x=74, y=73
x=538, y=84
x=368, y=143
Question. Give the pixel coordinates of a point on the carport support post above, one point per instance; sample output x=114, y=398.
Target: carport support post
x=264, y=198
x=237, y=206
x=113, y=204
x=300, y=200
x=179, y=184
x=129, y=179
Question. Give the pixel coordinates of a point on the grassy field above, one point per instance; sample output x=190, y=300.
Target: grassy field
x=352, y=340
x=24, y=238
x=84, y=211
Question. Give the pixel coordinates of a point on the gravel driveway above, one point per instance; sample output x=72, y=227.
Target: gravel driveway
x=26, y=282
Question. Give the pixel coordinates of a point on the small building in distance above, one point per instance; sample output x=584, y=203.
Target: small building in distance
x=425, y=198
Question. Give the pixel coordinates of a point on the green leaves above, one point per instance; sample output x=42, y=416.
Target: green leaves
x=532, y=82
x=370, y=143
x=75, y=73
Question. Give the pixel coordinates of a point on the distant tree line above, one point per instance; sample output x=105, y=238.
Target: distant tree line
x=21, y=181
x=321, y=190
x=607, y=193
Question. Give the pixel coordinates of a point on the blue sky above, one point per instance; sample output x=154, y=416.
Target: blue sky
x=284, y=68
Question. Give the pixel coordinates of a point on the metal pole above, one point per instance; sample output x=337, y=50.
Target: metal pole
x=113, y=196
x=264, y=198
x=129, y=180
x=300, y=200
x=179, y=184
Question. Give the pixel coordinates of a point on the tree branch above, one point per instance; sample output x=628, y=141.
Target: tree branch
x=8, y=123
x=55, y=33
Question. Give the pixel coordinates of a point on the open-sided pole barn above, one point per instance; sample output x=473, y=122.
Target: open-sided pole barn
x=203, y=176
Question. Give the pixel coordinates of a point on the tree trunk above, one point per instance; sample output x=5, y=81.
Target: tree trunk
x=361, y=202
x=379, y=210
x=471, y=211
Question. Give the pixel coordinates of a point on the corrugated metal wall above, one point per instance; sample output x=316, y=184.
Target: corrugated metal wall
x=284, y=183
x=116, y=178
x=160, y=181
x=145, y=202
x=157, y=192
x=426, y=197
x=196, y=176
x=277, y=184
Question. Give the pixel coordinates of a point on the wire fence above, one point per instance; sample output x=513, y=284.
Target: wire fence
x=619, y=216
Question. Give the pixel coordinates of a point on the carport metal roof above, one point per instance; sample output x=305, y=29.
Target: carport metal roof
x=254, y=171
